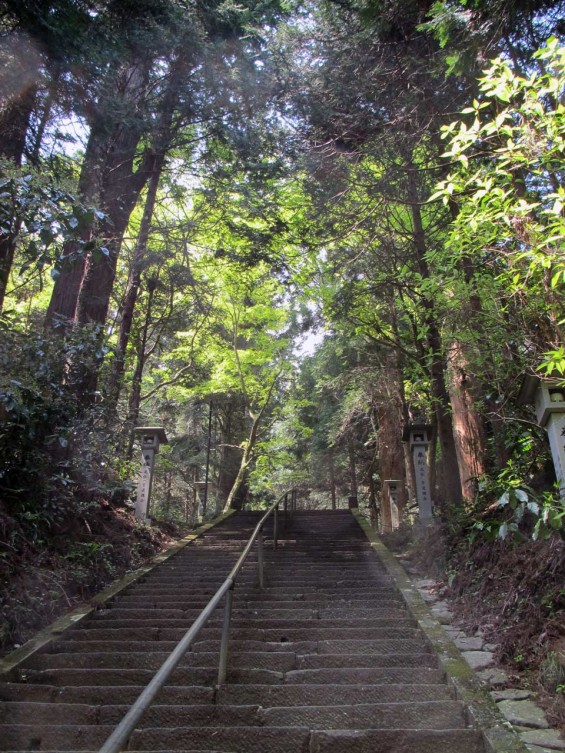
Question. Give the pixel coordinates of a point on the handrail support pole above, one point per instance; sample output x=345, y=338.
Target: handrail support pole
x=276, y=527
x=224, y=648
x=260, y=560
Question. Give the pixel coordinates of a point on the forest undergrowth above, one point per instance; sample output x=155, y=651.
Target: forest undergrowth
x=41, y=580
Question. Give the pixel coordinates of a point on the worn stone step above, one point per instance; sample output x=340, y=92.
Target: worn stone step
x=175, y=633
x=382, y=647
x=250, y=585
x=413, y=644
x=54, y=714
x=277, y=661
x=367, y=675
x=244, y=601
x=314, y=633
x=181, y=676
x=110, y=615
x=324, y=584
x=403, y=659
x=27, y=737
x=420, y=715
x=233, y=739
x=156, y=628
x=69, y=738
x=100, y=695
x=413, y=715
x=112, y=647
x=313, y=695
x=332, y=613
x=396, y=741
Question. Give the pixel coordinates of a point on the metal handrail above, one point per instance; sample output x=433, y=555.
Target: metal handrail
x=122, y=733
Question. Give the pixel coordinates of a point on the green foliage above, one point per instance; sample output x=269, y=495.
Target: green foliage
x=43, y=216
x=508, y=190
x=56, y=458
x=520, y=512
x=90, y=559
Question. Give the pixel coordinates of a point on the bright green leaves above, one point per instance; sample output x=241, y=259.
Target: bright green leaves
x=507, y=186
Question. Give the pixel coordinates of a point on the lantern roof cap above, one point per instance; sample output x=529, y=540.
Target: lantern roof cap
x=158, y=431
x=416, y=427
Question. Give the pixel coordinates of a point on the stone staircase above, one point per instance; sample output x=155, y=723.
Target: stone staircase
x=325, y=658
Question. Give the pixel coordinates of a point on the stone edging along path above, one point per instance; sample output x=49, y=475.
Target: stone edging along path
x=512, y=722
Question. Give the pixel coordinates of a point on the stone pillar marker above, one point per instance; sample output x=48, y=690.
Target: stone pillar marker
x=419, y=436
x=391, y=489
x=151, y=437
x=548, y=398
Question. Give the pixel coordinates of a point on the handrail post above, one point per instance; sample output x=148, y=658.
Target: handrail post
x=224, y=648
x=260, y=559
x=285, y=509
x=275, y=527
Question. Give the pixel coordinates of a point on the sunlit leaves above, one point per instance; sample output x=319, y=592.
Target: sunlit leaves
x=508, y=180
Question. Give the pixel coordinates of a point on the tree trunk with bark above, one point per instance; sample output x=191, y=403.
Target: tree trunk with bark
x=470, y=439
x=14, y=124
x=110, y=181
x=451, y=491
x=331, y=466
x=353, y=489
x=249, y=449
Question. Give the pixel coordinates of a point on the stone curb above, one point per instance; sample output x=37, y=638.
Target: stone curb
x=500, y=737
x=62, y=624
x=515, y=704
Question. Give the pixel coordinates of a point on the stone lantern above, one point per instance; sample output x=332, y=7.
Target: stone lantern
x=151, y=437
x=548, y=397
x=419, y=436
x=391, y=487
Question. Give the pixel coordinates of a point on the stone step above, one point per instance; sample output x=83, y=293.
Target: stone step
x=148, y=647
x=276, y=661
x=100, y=695
x=366, y=675
x=110, y=645
x=300, y=740
x=388, y=626
x=198, y=588
x=55, y=714
x=403, y=659
x=157, y=627
x=181, y=676
x=88, y=739
x=396, y=741
x=190, y=601
x=233, y=739
x=412, y=715
x=270, y=696
x=109, y=616
x=27, y=737
x=325, y=584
